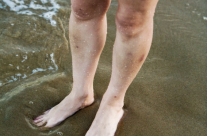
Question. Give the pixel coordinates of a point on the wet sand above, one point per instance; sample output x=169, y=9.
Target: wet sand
x=167, y=98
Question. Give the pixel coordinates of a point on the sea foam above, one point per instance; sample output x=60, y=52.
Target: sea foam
x=27, y=7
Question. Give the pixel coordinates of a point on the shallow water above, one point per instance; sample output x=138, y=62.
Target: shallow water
x=167, y=98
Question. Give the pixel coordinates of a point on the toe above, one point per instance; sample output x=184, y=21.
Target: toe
x=39, y=117
x=42, y=123
x=38, y=120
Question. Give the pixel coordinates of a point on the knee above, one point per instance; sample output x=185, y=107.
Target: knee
x=86, y=10
x=130, y=22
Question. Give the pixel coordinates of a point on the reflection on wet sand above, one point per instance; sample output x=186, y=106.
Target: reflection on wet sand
x=167, y=98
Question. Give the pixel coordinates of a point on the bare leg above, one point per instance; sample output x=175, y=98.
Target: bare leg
x=134, y=22
x=87, y=30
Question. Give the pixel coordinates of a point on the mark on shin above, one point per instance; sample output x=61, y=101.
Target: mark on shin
x=76, y=46
x=142, y=58
x=129, y=54
x=114, y=96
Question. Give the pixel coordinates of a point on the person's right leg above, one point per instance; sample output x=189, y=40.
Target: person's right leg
x=134, y=21
x=87, y=30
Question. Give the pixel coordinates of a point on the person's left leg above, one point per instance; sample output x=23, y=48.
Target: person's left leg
x=134, y=21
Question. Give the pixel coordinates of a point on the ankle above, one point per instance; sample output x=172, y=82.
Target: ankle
x=82, y=94
x=112, y=101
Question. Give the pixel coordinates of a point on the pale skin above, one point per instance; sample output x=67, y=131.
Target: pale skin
x=87, y=29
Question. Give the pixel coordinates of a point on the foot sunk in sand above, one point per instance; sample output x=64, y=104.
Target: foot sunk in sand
x=106, y=121
x=67, y=107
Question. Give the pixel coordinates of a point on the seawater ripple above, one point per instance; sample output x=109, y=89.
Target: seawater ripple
x=7, y=96
x=17, y=76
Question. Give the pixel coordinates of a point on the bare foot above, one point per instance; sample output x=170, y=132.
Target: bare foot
x=106, y=121
x=67, y=107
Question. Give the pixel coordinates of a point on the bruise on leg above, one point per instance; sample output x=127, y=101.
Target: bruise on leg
x=129, y=54
x=75, y=42
x=142, y=58
x=86, y=10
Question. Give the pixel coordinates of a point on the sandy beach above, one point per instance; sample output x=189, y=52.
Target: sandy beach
x=168, y=97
